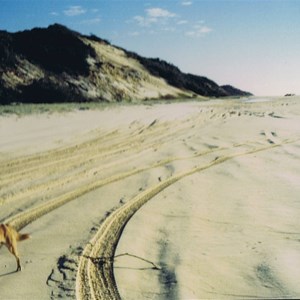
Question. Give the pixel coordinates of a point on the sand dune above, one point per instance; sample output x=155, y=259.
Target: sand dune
x=167, y=201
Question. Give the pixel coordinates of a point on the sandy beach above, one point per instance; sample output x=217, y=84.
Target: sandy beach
x=190, y=200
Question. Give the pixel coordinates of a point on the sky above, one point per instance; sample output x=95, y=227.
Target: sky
x=253, y=45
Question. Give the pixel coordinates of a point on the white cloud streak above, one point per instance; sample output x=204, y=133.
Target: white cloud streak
x=54, y=13
x=160, y=20
x=182, y=22
x=186, y=3
x=199, y=31
x=73, y=11
x=154, y=15
x=157, y=12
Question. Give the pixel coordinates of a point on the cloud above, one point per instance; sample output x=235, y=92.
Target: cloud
x=54, y=13
x=182, y=22
x=199, y=31
x=159, y=13
x=154, y=15
x=186, y=3
x=74, y=11
x=144, y=21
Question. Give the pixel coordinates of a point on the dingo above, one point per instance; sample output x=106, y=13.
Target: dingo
x=9, y=236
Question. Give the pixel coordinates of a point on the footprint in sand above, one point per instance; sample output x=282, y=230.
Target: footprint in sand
x=269, y=136
x=274, y=133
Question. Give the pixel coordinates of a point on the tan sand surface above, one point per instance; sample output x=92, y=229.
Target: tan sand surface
x=190, y=200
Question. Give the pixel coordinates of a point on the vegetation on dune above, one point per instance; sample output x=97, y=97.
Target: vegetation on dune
x=197, y=84
x=21, y=109
x=56, y=49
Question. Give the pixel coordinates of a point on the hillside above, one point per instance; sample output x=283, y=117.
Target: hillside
x=56, y=64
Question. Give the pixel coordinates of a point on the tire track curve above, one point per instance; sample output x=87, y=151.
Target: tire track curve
x=95, y=276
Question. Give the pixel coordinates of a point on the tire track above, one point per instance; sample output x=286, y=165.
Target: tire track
x=107, y=142
x=103, y=145
x=50, y=175
x=95, y=276
x=22, y=219
x=89, y=152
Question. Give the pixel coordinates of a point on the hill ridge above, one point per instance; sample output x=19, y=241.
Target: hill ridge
x=57, y=64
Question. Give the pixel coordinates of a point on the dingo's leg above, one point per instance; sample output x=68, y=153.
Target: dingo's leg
x=13, y=250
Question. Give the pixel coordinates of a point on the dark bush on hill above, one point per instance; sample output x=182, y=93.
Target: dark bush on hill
x=46, y=91
x=7, y=96
x=234, y=91
x=7, y=56
x=95, y=38
x=56, y=49
x=172, y=74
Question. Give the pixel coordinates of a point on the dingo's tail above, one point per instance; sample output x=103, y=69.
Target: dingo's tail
x=22, y=237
